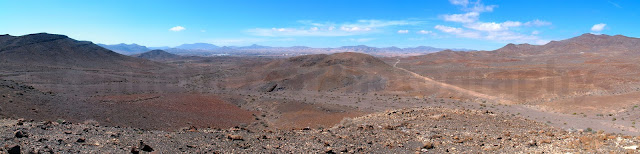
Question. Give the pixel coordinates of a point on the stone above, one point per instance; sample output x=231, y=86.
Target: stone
x=193, y=129
x=135, y=150
x=145, y=147
x=532, y=143
x=235, y=137
x=21, y=134
x=14, y=150
x=329, y=150
x=427, y=145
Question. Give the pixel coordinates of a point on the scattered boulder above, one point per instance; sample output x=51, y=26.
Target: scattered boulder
x=193, y=129
x=14, y=150
x=134, y=150
x=81, y=140
x=145, y=147
x=235, y=137
x=532, y=143
x=428, y=145
x=21, y=134
x=329, y=150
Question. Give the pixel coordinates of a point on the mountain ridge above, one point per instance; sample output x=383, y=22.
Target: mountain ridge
x=43, y=49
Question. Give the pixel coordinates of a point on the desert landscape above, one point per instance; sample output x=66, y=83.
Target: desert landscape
x=500, y=87
x=484, y=101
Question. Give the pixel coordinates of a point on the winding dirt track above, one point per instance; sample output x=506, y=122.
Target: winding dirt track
x=452, y=87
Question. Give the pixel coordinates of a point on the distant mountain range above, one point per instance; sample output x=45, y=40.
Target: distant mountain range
x=126, y=49
x=585, y=44
x=198, y=46
x=205, y=49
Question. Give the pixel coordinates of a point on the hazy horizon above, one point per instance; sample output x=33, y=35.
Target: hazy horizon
x=478, y=25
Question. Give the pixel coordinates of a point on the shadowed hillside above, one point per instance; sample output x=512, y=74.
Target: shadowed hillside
x=157, y=55
x=351, y=72
x=51, y=50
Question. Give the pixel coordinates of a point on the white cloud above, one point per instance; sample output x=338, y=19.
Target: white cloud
x=355, y=29
x=281, y=29
x=489, y=26
x=331, y=29
x=459, y=2
x=481, y=8
x=477, y=6
x=462, y=18
x=403, y=31
x=458, y=31
x=203, y=31
x=492, y=26
x=511, y=24
x=379, y=23
x=310, y=22
x=473, y=28
x=177, y=28
x=424, y=32
x=615, y=4
x=448, y=29
x=598, y=27
x=500, y=36
x=537, y=22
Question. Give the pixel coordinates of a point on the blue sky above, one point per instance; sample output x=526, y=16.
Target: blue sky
x=485, y=25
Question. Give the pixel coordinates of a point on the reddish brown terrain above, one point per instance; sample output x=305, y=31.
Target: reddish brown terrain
x=560, y=71
x=576, y=95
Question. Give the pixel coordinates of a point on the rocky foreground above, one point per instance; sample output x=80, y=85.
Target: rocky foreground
x=415, y=130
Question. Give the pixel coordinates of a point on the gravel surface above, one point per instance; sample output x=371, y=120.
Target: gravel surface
x=428, y=130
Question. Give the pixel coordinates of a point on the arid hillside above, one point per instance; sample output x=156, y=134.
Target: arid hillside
x=557, y=75
x=50, y=77
x=336, y=72
x=51, y=50
x=157, y=55
x=346, y=73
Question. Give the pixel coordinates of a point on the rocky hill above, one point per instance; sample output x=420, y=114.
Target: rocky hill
x=51, y=50
x=585, y=43
x=157, y=55
x=336, y=72
x=559, y=74
x=348, y=72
